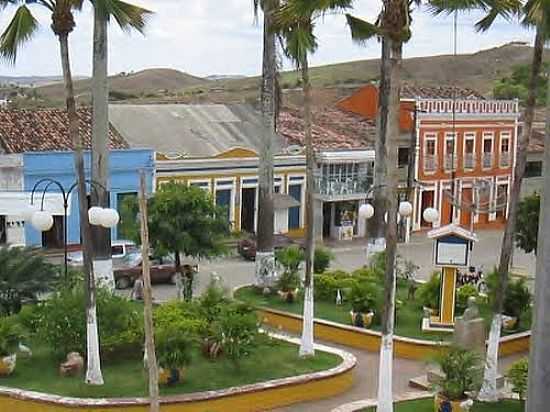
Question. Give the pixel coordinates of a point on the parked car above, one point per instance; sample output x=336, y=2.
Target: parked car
x=119, y=250
x=247, y=247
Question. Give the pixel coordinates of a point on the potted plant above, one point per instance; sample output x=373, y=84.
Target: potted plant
x=462, y=375
x=428, y=294
x=173, y=346
x=516, y=302
x=517, y=376
x=10, y=336
x=287, y=284
x=363, y=297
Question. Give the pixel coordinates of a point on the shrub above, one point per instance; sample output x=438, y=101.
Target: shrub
x=518, y=377
x=173, y=347
x=364, y=297
x=463, y=373
x=179, y=315
x=517, y=298
x=463, y=294
x=325, y=287
x=322, y=259
x=212, y=301
x=288, y=281
x=428, y=293
x=290, y=258
x=10, y=335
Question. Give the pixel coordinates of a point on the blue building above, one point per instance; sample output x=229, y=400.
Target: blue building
x=125, y=168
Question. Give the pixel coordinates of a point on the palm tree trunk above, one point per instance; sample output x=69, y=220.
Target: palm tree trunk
x=93, y=371
x=265, y=258
x=103, y=263
x=306, y=345
x=489, y=392
x=538, y=397
x=385, y=378
x=380, y=150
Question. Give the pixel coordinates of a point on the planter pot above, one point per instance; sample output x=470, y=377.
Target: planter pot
x=442, y=404
x=509, y=322
x=7, y=365
x=288, y=296
x=171, y=376
x=366, y=319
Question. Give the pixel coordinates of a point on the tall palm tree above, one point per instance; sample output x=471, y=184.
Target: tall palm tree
x=265, y=258
x=128, y=17
x=295, y=21
x=21, y=29
x=533, y=13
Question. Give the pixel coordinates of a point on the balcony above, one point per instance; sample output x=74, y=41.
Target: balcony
x=342, y=188
x=469, y=161
x=505, y=160
x=430, y=163
x=487, y=160
x=450, y=162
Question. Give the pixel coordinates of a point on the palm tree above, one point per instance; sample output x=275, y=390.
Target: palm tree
x=265, y=258
x=128, y=17
x=295, y=22
x=21, y=29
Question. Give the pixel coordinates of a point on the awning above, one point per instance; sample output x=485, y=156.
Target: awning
x=282, y=201
x=16, y=203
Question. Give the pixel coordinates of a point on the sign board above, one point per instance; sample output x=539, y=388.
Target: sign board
x=452, y=251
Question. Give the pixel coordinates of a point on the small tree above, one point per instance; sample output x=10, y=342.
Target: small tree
x=517, y=376
x=528, y=223
x=23, y=275
x=184, y=220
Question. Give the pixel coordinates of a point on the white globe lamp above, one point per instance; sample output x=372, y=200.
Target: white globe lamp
x=430, y=215
x=42, y=220
x=366, y=211
x=95, y=215
x=109, y=218
x=405, y=209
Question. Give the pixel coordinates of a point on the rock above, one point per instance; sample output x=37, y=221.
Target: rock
x=73, y=366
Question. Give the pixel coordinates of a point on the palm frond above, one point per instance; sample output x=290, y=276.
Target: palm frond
x=128, y=16
x=361, y=30
x=21, y=28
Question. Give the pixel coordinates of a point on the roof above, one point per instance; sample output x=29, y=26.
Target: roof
x=46, y=130
x=439, y=92
x=332, y=128
x=452, y=229
x=284, y=201
x=192, y=130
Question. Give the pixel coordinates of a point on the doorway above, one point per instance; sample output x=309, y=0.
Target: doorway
x=294, y=212
x=3, y=230
x=502, y=203
x=327, y=219
x=427, y=201
x=53, y=238
x=248, y=210
x=466, y=208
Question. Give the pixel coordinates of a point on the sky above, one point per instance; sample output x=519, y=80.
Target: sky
x=205, y=37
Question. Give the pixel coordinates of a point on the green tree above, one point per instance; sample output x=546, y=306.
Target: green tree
x=23, y=276
x=528, y=223
x=21, y=29
x=295, y=22
x=516, y=86
x=184, y=220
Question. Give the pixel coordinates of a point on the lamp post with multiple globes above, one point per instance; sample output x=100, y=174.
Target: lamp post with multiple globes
x=42, y=220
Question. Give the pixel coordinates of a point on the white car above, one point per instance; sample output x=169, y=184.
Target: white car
x=119, y=249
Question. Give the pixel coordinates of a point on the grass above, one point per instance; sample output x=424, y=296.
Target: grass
x=408, y=322
x=272, y=359
x=427, y=405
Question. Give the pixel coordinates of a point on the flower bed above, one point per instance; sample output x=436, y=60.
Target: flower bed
x=427, y=405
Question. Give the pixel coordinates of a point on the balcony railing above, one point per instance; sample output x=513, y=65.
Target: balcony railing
x=430, y=163
x=469, y=161
x=505, y=159
x=341, y=185
x=450, y=162
x=487, y=160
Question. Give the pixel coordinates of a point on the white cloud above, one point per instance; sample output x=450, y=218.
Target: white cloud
x=218, y=36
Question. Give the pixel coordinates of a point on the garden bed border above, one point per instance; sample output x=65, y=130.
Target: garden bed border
x=252, y=397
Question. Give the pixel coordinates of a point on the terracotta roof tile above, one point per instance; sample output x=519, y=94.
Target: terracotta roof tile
x=332, y=129
x=439, y=92
x=46, y=130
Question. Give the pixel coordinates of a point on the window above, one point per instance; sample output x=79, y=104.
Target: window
x=128, y=208
x=487, y=150
x=430, y=153
x=450, y=151
x=533, y=169
x=469, y=150
x=505, y=157
x=403, y=156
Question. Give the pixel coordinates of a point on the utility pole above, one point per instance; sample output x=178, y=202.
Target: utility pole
x=148, y=299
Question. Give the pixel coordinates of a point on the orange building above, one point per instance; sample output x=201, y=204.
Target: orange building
x=464, y=151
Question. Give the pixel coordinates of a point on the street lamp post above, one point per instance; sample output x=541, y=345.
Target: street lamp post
x=42, y=220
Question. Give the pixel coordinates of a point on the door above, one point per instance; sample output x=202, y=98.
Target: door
x=427, y=201
x=53, y=238
x=3, y=230
x=248, y=210
x=465, y=211
x=502, y=203
x=294, y=212
x=327, y=218
x=446, y=209
x=223, y=199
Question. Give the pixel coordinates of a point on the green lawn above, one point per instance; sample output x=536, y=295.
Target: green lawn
x=272, y=359
x=409, y=315
x=427, y=405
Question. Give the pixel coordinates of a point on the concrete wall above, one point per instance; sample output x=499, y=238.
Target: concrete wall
x=125, y=166
x=11, y=180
